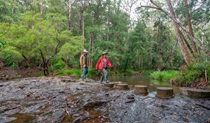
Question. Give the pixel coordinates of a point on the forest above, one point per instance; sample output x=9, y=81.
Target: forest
x=137, y=34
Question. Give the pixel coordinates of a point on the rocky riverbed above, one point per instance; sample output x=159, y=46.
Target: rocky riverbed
x=52, y=100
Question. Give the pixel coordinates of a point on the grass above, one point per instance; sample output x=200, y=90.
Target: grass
x=71, y=72
x=164, y=75
x=147, y=72
x=39, y=73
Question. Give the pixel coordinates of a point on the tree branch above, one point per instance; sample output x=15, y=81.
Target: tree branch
x=179, y=24
x=170, y=55
x=56, y=51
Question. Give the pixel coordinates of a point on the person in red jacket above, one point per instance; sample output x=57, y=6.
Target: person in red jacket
x=102, y=64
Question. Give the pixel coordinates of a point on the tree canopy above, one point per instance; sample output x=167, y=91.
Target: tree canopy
x=163, y=35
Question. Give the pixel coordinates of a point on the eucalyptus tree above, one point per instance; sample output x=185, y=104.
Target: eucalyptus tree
x=197, y=14
x=181, y=32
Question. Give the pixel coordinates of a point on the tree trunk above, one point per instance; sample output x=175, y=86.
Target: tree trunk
x=108, y=22
x=188, y=45
x=126, y=65
x=83, y=26
x=190, y=25
x=92, y=38
x=69, y=4
x=178, y=35
x=45, y=64
x=169, y=56
x=26, y=60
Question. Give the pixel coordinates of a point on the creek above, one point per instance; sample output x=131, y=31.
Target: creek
x=141, y=80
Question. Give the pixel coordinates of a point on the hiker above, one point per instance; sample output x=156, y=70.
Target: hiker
x=84, y=63
x=102, y=64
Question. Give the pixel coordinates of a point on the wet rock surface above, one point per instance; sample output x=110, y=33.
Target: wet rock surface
x=52, y=100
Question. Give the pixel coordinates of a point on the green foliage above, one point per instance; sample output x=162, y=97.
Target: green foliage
x=92, y=71
x=10, y=56
x=193, y=73
x=147, y=72
x=72, y=72
x=39, y=73
x=14, y=65
x=37, y=33
x=29, y=27
x=129, y=71
x=164, y=75
x=57, y=63
x=114, y=72
x=8, y=59
x=1, y=45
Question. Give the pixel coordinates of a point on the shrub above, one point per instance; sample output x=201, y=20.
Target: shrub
x=147, y=72
x=92, y=71
x=57, y=63
x=164, y=75
x=72, y=72
x=193, y=73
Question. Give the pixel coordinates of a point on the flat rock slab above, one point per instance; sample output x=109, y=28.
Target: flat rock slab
x=164, y=92
x=110, y=85
x=141, y=89
x=198, y=93
x=122, y=86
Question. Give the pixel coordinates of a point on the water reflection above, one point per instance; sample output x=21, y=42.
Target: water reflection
x=140, y=80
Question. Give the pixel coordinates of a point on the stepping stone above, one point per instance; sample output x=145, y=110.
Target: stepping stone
x=141, y=89
x=110, y=85
x=198, y=93
x=131, y=87
x=122, y=86
x=183, y=90
x=68, y=80
x=116, y=83
x=164, y=92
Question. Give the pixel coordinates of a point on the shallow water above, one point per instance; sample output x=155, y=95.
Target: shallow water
x=141, y=80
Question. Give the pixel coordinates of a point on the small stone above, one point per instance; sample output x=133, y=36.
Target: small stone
x=76, y=115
